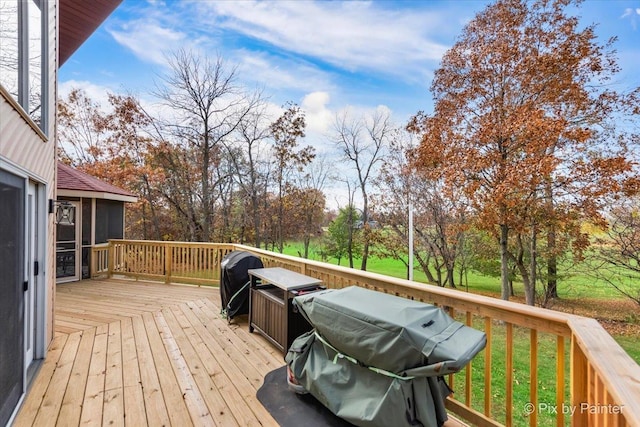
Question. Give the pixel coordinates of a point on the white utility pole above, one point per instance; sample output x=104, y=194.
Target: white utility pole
x=410, y=238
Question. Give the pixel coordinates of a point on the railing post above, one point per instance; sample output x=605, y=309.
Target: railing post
x=168, y=256
x=92, y=262
x=579, y=383
x=111, y=259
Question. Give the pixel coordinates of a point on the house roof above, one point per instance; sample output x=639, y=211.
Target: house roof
x=78, y=20
x=72, y=182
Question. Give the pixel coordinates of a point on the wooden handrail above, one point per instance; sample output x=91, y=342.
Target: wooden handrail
x=610, y=368
x=604, y=382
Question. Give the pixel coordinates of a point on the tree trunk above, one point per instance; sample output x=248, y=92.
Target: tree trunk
x=450, y=278
x=552, y=261
x=365, y=229
x=533, y=264
x=529, y=295
x=206, y=194
x=350, y=249
x=504, y=261
x=552, y=264
x=439, y=275
x=424, y=264
x=307, y=240
x=280, y=213
x=256, y=220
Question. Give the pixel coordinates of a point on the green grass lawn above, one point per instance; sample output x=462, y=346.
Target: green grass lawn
x=572, y=286
x=546, y=381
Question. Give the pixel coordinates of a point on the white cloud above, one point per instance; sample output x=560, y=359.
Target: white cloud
x=350, y=35
x=97, y=93
x=318, y=116
x=149, y=40
x=278, y=73
x=631, y=14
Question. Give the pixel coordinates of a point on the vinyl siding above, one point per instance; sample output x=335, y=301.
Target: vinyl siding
x=23, y=147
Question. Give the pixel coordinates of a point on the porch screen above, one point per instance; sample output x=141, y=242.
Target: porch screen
x=109, y=220
x=11, y=293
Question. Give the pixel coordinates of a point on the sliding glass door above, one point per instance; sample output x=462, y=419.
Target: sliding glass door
x=12, y=282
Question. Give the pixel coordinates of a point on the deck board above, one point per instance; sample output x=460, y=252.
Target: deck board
x=93, y=402
x=74, y=395
x=133, y=353
x=134, y=404
x=31, y=406
x=129, y=353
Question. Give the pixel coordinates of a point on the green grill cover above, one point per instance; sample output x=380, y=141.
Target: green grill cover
x=361, y=396
x=391, y=333
x=375, y=359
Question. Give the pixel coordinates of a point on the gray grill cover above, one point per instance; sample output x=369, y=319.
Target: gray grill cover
x=361, y=396
x=391, y=333
x=362, y=329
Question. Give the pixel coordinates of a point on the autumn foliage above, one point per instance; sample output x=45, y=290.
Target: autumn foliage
x=528, y=141
x=527, y=125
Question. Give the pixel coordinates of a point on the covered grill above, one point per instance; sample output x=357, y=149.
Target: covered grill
x=234, y=282
x=376, y=359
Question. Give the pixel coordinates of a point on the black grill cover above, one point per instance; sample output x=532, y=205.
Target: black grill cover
x=233, y=278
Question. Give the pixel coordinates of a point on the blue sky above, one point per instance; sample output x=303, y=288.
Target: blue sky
x=324, y=55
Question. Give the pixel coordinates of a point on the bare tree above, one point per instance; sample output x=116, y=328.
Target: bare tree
x=310, y=183
x=615, y=257
x=249, y=156
x=438, y=215
x=342, y=230
x=208, y=106
x=362, y=142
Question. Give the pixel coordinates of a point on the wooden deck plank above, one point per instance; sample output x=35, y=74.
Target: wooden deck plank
x=240, y=327
x=50, y=408
x=156, y=410
x=113, y=414
x=86, y=304
x=137, y=293
x=93, y=403
x=163, y=356
x=134, y=405
x=200, y=414
x=173, y=395
x=264, y=361
x=233, y=382
x=74, y=324
x=226, y=404
x=104, y=316
x=30, y=408
x=227, y=347
x=74, y=395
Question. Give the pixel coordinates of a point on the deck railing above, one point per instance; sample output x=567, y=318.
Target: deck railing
x=100, y=260
x=540, y=367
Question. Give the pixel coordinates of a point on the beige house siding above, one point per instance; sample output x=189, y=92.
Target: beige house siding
x=23, y=147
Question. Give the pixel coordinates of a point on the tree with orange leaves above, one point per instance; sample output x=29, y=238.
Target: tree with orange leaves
x=522, y=124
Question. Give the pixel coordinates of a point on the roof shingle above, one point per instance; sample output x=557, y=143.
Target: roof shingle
x=72, y=179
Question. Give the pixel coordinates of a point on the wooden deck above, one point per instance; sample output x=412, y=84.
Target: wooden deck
x=161, y=354
x=149, y=354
